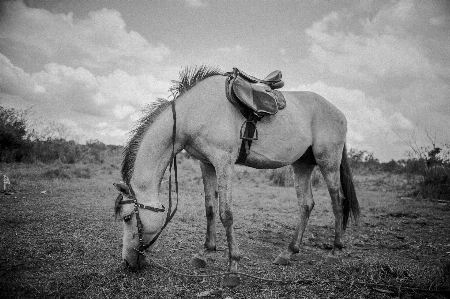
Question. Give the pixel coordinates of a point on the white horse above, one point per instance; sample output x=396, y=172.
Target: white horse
x=310, y=131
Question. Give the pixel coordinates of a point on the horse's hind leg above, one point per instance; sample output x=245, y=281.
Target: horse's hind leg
x=210, y=187
x=302, y=180
x=329, y=164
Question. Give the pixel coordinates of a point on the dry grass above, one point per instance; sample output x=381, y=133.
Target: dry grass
x=65, y=242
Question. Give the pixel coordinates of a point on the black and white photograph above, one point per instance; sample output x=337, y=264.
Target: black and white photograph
x=225, y=149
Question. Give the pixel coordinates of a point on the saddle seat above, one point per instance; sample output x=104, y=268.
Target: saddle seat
x=273, y=79
x=258, y=95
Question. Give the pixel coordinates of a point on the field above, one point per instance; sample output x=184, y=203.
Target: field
x=59, y=239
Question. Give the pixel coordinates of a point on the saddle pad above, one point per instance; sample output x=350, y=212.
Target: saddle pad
x=281, y=101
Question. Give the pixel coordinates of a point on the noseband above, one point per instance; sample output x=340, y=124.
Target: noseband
x=133, y=200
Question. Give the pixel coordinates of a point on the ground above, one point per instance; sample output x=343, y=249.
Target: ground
x=59, y=238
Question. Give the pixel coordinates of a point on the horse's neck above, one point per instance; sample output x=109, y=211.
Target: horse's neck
x=153, y=156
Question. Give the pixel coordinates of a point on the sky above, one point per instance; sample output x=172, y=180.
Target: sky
x=92, y=65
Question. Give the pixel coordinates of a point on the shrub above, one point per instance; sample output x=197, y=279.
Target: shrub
x=362, y=159
x=20, y=142
x=82, y=172
x=433, y=163
x=283, y=177
x=56, y=173
x=13, y=134
x=391, y=166
x=64, y=171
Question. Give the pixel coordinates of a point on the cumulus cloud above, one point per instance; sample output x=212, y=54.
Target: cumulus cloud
x=80, y=72
x=196, y=3
x=14, y=80
x=368, y=56
x=99, y=41
x=395, y=72
x=119, y=87
x=236, y=50
x=80, y=99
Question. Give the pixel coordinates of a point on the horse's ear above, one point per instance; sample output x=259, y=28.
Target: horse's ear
x=122, y=188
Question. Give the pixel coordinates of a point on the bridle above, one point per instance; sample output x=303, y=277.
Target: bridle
x=133, y=200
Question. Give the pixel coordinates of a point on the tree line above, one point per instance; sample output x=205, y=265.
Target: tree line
x=20, y=142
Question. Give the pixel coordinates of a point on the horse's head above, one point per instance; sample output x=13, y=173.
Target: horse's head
x=141, y=224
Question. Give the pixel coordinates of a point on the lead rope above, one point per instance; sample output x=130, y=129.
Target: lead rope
x=375, y=286
x=214, y=275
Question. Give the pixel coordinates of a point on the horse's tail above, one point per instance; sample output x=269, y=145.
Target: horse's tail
x=350, y=203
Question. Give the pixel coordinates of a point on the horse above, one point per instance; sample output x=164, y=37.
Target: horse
x=309, y=132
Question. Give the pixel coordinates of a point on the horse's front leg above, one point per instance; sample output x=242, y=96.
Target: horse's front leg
x=224, y=182
x=210, y=187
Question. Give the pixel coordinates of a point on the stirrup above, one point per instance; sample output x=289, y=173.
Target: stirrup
x=248, y=122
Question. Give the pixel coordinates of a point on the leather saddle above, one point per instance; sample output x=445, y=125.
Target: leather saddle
x=259, y=96
x=255, y=98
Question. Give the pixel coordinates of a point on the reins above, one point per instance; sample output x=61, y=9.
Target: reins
x=173, y=163
x=170, y=213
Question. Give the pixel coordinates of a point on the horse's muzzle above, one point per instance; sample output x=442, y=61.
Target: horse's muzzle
x=128, y=267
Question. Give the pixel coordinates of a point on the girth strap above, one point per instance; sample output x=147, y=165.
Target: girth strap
x=247, y=137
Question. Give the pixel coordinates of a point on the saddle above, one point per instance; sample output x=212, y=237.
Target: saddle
x=255, y=99
x=259, y=96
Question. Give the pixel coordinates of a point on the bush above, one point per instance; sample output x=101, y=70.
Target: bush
x=284, y=177
x=13, y=135
x=56, y=173
x=21, y=143
x=433, y=163
x=362, y=159
x=66, y=172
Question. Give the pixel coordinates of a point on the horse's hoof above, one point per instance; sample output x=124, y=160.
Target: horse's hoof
x=198, y=262
x=332, y=260
x=281, y=260
x=231, y=280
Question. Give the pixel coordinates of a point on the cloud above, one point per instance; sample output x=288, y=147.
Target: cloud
x=368, y=50
x=14, y=80
x=78, y=71
x=439, y=20
x=81, y=99
x=100, y=41
x=196, y=3
x=236, y=50
x=394, y=62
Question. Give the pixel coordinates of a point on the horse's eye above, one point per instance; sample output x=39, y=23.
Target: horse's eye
x=127, y=218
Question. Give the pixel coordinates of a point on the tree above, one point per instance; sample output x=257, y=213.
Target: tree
x=13, y=134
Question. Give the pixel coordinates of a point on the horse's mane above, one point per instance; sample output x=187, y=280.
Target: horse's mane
x=189, y=77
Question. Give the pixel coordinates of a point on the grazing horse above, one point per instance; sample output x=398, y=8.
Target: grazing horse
x=310, y=131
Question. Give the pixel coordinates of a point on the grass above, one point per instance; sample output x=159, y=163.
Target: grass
x=64, y=243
